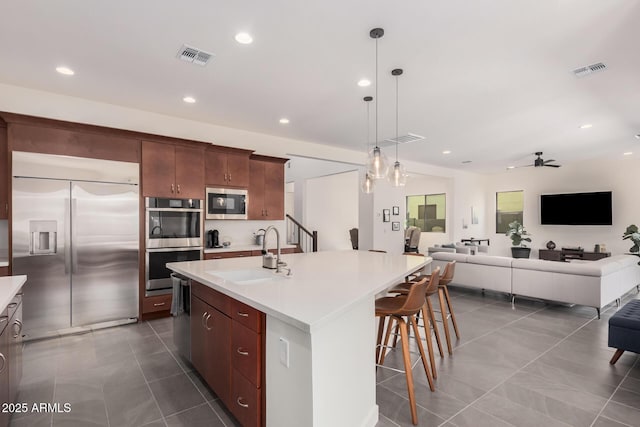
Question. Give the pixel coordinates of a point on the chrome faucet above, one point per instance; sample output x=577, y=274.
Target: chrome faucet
x=279, y=263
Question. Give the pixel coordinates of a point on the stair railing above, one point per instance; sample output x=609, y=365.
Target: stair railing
x=297, y=234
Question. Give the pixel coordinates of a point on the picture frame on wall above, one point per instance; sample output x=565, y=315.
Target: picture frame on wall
x=396, y=210
x=386, y=215
x=395, y=226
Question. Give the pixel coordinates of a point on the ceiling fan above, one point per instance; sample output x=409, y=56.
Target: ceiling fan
x=539, y=162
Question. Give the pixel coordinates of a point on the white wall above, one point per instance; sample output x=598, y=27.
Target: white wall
x=331, y=209
x=385, y=197
x=594, y=175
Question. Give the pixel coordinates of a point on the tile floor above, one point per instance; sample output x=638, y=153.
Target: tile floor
x=532, y=364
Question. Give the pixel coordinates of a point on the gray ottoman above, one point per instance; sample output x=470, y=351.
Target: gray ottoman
x=624, y=330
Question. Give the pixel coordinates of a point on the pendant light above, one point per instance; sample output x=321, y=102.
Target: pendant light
x=367, y=184
x=397, y=174
x=377, y=164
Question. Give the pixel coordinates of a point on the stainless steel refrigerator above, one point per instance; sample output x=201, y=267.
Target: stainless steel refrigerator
x=77, y=242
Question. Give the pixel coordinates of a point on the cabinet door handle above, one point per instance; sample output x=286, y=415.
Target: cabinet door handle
x=229, y=176
x=243, y=314
x=202, y=320
x=173, y=187
x=178, y=188
x=242, y=352
x=4, y=363
x=159, y=304
x=225, y=176
x=206, y=322
x=17, y=323
x=239, y=402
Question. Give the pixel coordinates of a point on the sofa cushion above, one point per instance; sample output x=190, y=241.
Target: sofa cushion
x=592, y=268
x=500, y=261
x=434, y=249
x=450, y=256
x=628, y=316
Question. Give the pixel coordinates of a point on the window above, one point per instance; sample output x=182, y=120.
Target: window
x=427, y=212
x=509, y=207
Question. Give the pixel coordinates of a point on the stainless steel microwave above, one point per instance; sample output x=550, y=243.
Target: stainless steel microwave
x=227, y=203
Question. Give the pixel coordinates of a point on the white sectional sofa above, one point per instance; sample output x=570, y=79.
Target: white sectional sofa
x=591, y=283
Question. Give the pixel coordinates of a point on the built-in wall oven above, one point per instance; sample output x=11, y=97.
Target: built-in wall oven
x=173, y=234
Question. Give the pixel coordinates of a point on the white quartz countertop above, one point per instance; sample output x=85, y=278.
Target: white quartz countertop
x=323, y=284
x=243, y=248
x=9, y=287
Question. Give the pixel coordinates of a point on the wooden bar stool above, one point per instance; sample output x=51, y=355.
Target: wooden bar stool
x=398, y=308
x=428, y=316
x=443, y=295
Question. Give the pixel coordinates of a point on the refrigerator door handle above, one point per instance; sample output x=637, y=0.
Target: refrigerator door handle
x=74, y=243
x=67, y=241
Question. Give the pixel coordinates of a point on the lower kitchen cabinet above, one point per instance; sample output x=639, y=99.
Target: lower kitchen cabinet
x=156, y=303
x=227, y=349
x=4, y=271
x=10, y=355
x=222, y=255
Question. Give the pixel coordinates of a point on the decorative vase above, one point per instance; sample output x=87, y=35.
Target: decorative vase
x=550, y=245
x=520, y=252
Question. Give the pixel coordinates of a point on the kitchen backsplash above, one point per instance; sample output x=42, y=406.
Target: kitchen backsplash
x=241, y=233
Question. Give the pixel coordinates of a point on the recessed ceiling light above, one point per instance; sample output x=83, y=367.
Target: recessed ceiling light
x=244, y=38
x=65, y=70
x=364, y=83
x=284, y=121
x=446, y=152
x=189, y=99
x=628, y=153
x=637, y=136
x=511, y=167
x=586, y=126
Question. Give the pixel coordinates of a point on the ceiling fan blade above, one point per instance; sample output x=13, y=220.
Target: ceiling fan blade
x=548, y=161
x=552, y=166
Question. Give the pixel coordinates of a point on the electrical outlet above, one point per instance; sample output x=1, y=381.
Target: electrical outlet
x=284, y=352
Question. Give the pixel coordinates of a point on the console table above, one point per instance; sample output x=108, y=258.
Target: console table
x=569, y=254
x=472, y=241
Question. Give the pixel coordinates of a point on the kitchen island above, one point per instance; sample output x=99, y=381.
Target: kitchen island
x=319, y=337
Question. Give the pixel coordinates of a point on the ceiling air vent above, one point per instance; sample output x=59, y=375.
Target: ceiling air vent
x=194, y=55
x=404, y=139
x=589, y=69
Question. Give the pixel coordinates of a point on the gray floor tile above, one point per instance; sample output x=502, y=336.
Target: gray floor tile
x=397, y=409
x=32, y=420
x=175, y=394
x=627, y=397
x=471, y=417
x=159, y=365
x=131, y=406
x=147, y=345
x=632, y=384
x=158, y=423
x=35, y=391
x=201, y=386
x=200, y=416
x=515, y=414
x=607, y=422
x=85, y=412
x=385, y=422
x=622, y=413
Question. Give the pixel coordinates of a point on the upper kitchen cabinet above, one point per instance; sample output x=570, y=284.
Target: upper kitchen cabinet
x=266, y=188
x=227, y=167
x=172, y=171
x=4, y=173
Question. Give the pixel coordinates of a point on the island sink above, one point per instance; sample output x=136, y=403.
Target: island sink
x=245, y=277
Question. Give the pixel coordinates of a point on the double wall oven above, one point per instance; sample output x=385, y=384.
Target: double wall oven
x=173, y=233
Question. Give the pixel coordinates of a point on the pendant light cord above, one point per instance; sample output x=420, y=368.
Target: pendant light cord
x=397, y=115
x=377, y=92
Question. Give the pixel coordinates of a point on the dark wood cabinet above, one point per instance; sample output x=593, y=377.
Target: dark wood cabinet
x=222, y=255
x=15, y=348
x=569, y=254
x=266, y=188
x=4, y=367
x=4, y=271
x=172, y=171
x=227, y=168
x=4, y=173
x=227, y=349
x=156, y=303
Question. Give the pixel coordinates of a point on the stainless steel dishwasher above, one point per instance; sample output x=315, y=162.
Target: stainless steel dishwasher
x=181, y=312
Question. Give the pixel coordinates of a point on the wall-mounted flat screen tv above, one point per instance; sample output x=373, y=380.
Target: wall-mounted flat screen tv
x=576, y=209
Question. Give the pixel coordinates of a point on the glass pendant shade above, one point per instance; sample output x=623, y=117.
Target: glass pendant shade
x=397, y=175
x=367, y=184
x=377, y=164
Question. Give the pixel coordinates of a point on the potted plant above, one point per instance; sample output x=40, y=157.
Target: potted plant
x=517, y=233
x=633, y=234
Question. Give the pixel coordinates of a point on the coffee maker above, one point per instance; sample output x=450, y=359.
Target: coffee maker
x=213, y=239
